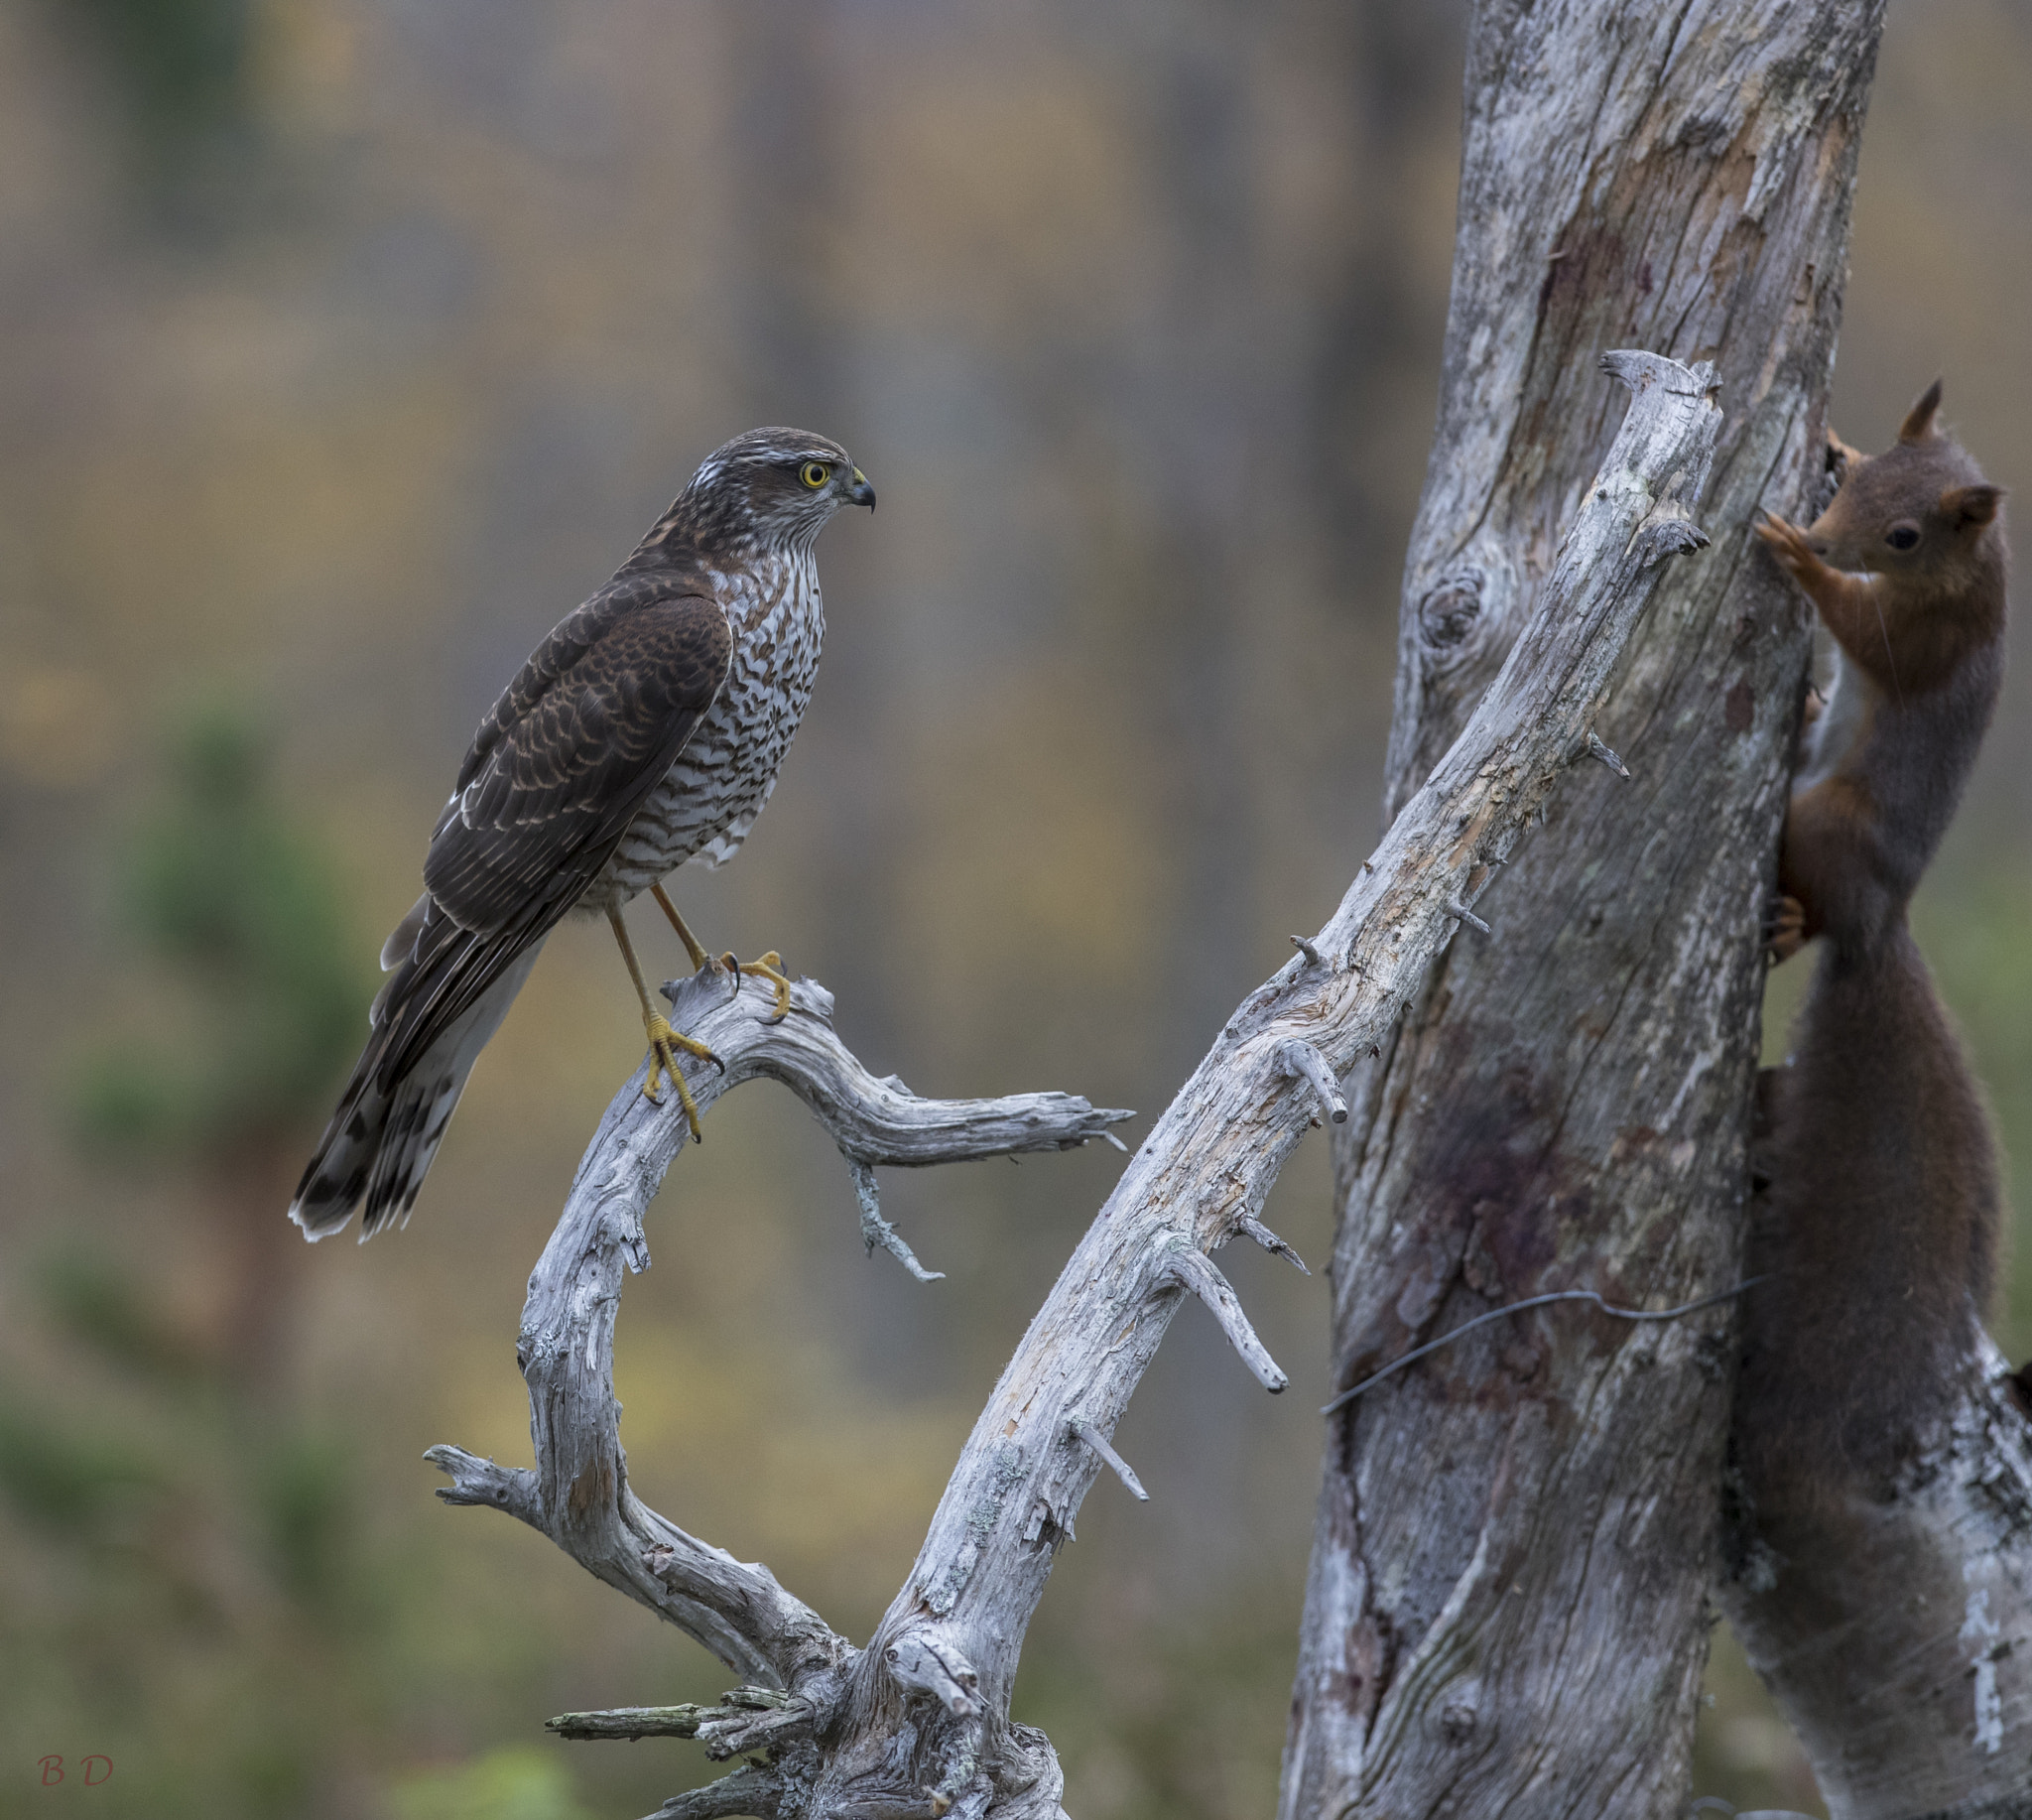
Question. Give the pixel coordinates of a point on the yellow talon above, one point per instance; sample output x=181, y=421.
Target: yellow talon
x=770, y=968
x=663, y=1045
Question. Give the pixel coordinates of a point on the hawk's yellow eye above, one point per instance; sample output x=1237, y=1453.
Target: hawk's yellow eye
x=816, y=474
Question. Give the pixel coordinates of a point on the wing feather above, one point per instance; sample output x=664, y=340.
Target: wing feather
x=538, y=812
x=557, y=770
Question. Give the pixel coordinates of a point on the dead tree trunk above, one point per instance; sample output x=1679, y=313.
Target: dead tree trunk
x=1506, y=1606
x=1896, y=1633
x=916, y=1725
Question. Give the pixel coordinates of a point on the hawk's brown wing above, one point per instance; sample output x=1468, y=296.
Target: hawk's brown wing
x=557, y=772
x=565, y=760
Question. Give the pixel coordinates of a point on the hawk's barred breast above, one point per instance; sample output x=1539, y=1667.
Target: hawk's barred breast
x=711, y=796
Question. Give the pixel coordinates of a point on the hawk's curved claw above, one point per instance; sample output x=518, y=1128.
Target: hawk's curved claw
x=769, y=968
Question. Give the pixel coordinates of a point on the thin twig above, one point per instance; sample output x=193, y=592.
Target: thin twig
x=1094, y=1439
x=632, y=1722
x=1197, y=1272
x=875, y=1231
x=1305, y=1063
x=749, y=1790
x=1538, y=1301
x=1454, y=907
x=1597, y=749
x=1251, y=1228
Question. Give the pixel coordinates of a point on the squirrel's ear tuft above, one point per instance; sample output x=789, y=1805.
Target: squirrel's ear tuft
x=1918, y=424
x=1970, y=507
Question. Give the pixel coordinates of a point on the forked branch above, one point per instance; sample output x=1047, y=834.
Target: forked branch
x=918, y=1723
x=577, y=1493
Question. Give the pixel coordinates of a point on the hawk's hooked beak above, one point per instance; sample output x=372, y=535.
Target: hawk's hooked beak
x=861, y=493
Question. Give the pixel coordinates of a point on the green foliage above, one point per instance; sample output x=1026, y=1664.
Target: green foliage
x=98, y=1303
x=181, y=65
x=70, y=1479
x=216, y=1623
x=303, y=1496
x=218, y=884
x=518, y=1784
x=207, y=1533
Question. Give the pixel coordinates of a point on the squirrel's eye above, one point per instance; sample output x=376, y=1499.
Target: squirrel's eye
x=817, y=473
x=1902, y=537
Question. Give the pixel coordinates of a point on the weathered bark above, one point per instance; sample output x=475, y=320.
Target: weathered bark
x=1505, y=1611
x=1894, y=1633
x=918, y=1723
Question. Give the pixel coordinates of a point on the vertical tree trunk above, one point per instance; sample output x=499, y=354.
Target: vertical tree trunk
x=1894, y=1632
x=1505, y=1612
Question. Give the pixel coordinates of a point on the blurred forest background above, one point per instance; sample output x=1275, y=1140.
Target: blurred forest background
x=348, y=344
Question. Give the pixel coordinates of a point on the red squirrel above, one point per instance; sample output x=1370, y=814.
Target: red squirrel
x=1881, y=1221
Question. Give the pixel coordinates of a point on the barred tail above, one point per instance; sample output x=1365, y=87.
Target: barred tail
x=392, y=1115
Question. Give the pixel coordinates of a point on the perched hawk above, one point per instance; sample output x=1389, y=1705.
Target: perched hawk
x=646, y=730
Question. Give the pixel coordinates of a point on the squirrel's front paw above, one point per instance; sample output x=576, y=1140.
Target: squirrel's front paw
x=1784, y=929
x=1787, y=542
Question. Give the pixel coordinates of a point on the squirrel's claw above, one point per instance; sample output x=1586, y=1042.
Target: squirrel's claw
x=1784, y=929
x=1787, y=542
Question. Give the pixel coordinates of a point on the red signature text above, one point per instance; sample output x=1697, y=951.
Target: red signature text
x=90, y=1771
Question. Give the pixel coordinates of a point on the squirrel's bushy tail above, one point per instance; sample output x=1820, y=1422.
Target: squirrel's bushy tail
x=1879, y=1228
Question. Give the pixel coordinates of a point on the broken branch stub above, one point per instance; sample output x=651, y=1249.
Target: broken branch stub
x=1195, y=1271
x=1305, y=1063
x=918, y=1723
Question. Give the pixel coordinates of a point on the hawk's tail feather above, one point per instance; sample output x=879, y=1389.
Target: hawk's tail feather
x=336, y=1176
x=379, y=1148
x=410, y=1135
x=393, y=1114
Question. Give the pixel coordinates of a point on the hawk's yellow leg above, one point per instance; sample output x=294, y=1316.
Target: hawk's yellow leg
x=769, y=968
x=699, y=959
x=663, y=1042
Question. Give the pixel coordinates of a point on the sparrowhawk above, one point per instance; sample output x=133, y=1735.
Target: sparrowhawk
x=644, y=732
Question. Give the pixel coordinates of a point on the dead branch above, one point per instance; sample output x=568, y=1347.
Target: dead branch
x=918, y=1723
x=577, y=1493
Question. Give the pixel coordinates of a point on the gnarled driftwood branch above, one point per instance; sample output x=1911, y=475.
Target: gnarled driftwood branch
x=918, y=1723
x=577, y=1493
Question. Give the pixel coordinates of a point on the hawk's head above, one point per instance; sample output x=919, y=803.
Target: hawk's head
x=768, y=490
